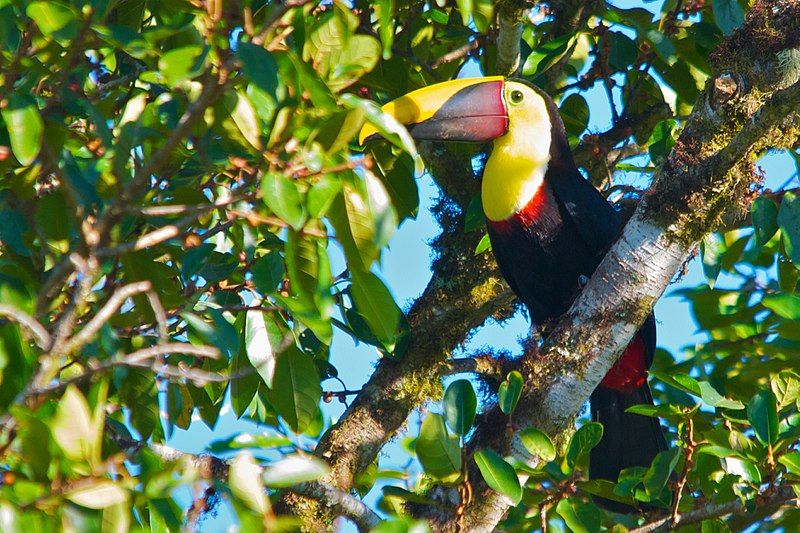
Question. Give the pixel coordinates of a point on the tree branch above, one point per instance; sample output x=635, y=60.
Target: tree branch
x=510, y=15
x=781, y=497
x=22, y=318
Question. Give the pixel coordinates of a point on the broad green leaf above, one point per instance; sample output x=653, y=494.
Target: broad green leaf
x=460, y=403
x=791, y=461
x=283, y=198
x=268, y=271
x=786, y=386
x=384, y=11
x=498, y=474
x=465, y=8
x=663, y=465
x=181, y=64
x=244, y=116
x=784, y=305
x=438, y=451
x=386, y=125
x=623, y=51
x=728, y=14
x=259, y=65
x=582, y=442
x=712, y=248
x=661, y=140
x=764, y=214
x=296, y=390
x=762, y=412
x=484, y=245
x=510, y=391
x=710, y=395
x=73, y=428
x=789, y=223
x=538, y=443
x=242, y=441
x=376, y=305
x=575, y=112
x=246, y=484
x=25, y=126
x=53, y=18
x=293, y=470
x=99, y=494
x=579, y=516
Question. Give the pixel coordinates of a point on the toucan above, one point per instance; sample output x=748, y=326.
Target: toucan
x=549, y=229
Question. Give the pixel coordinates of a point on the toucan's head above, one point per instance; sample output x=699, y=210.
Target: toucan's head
x=470, y=109
x=520, y=119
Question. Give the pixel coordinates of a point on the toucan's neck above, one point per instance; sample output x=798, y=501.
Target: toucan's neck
x=515, y=172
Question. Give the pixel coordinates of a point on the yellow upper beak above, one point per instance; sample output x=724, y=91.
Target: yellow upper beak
x=468, y=109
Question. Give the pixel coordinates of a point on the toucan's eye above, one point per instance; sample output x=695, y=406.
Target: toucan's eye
x=516, y=96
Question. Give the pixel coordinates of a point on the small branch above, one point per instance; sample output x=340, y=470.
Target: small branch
x=459, y=53
x=216, y=469
x=485, y=365
x=22, y=318
x=691, y=445
x=784, y=496
x=344, y=503
x=105, y=313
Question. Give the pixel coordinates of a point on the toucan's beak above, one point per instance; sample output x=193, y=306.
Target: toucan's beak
x=468, y=109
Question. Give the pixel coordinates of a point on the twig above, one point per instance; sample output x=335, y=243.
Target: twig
x=40, y=334
x=784, y=496
x=691, y=445
x=105, y=313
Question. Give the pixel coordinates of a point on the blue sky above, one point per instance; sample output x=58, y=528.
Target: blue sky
x=406, y=269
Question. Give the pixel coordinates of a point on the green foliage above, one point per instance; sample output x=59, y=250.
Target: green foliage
x=177, y=184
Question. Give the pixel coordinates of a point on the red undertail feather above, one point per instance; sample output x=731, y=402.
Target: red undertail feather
x=630, y=371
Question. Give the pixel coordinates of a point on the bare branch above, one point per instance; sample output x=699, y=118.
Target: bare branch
x=510, y=16
x=105, y=313
x=781, y=497
x=40, y=334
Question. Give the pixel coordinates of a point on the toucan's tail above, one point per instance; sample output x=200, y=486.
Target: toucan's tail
x=628, y=439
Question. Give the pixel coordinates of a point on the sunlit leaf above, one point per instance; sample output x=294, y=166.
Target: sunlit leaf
x=498, y=474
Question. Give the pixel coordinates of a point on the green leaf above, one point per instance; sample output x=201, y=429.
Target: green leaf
x=580, y=517
x=792, y=462
x=710, y=395
x=293, y=470
x=53, y=18
x=575, y=113
x=438, y=451
x=484, y=245
x=764, y=213
x=99, y=494
x=728, y=14
x=623, y=51
x=376, y=305
x=460, y=403
x=582, y=442
x=182, y=64
x=465, y=8
x=384, y=12
x=283, y=198
x=246, y=484
x=762, y=412
x=244, y=116
x=538, y=443
x=72, y=427
x=25, y=126
x=661, y=140
x=259, y=65
x=242, y=441
x=783, y=304
x=657, y=475
x=268, y=271
x=296, y=390
x=498, y=474
x=510, y=391
x=712, y=249
x=786, y=386
x=789, y=223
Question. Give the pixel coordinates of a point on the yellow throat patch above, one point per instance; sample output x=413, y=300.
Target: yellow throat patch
x=515, y=169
